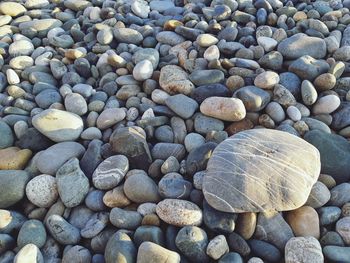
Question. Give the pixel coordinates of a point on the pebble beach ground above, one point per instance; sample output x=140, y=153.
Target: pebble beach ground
x=174, y=131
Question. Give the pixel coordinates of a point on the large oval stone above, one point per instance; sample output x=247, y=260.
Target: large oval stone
x=261, y=169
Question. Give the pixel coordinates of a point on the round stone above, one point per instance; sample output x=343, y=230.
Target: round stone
x=12, y=8
x=179, y=212
x=32, y=232
x=12, y=187
x=58, y=125
x=325, y=81
x=109, y=117
x=212, y=53
x=151, y=252
x=308, y=92
x=29, y=253
x=326, y=104
x=42, y=190
x=76, y=254
x=319, y=195
x=75, y=103
x=343, y=229
x=206, y=40
x=227, y=190
x=275, y=111
x=304, y=221
x=293, y=113
x=303, y=249
x=143, y=70
x=266, y=80
x=227, y=109
x=110, y=172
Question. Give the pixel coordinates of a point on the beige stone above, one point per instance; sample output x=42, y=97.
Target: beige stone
x=304, y=222
x=174, y=79
x=266, y=80
x=13, y=158
x=226, y=109
x=303, y=250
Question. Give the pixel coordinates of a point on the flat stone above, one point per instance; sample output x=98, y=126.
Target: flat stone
x=300, y=45
x=13, y=158
x=127, y=35
x=179, y=212
x=265, y=250
x=253, y=98
x=109, y=117
x=110, y=172
x=182, y=105
x=192, y=242
x=58, y=125
x=32, y=232
x=72, y=184
x=12, y=187
x=227, y=109
x=125, y=219
x=303, y=249
x=151, y=252
x=63, y=232
x=336, y=253
x=206, y=77
x=235, y=149
x=169, y=37
x=334, y=151
x=272, y=227
x=58, y=154
x=304, y=221
x=140, y=188
x=307, y=67
x=174, y=79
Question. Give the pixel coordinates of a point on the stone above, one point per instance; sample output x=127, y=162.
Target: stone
x=331, y=238
x=268, y=223
x=11, y=221
x=116, y=197
x=7, y=243
x=179, y=212
x=164, y=150
x=319, y=195
x=12, y=187
x=125, y=219
x=143, y=70
x=32, y=232
x=12, y=77
x=150, y=54
x=131, y=142
x=198, y=158
x=329, y=215
x=303, y=249
x=300, y=45
x=238, y=244
x=140, y=188
x=275, y=111
x=192, y=242
x=76, y=254
x=75, y=103
x=227, y=109
x=169, y=38
x=206, y=40
x=151, y=252
x=58, y=154
x=58, y=125
x=212, y=53
x=193, y=140
x=182, y=105
x=336, y=253
x=304, y=221
x=91, y=158
x=206, y=77
x=253, y=98
x=161, y=6
x=341, y=117
x=233, y=257
x=63, y=232
x=204, y=124
x=343, y=229
x=42, y=190
x=217, y=221
x=246, y=224
x=72, y=184
x=174, y=80
x=201, y=93
x=293, y=113
x=325, y=81
x=266, y=80
x=29, y=253
x=47, y=97
x=308, y=92
x=140, y=8
x=12, y=9
x=120, y=247
x=334, y=151
x=291, y=82
x=110, y=172
x=326, y=104
x=149, y=233
x=109, y=117
x=6, y=138
x=217, y=247
x=219, y=193
x=13, y=158
x=265, y=250
x=283, y=96
x=307, y=67
x=127, y=35
x=173, y=185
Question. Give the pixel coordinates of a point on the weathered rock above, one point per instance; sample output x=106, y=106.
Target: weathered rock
x=151, y=252
x=174, y=79
x=120, y=248
x=303, y=249
x=227, y=190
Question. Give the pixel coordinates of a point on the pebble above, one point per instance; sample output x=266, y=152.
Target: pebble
x=343, y=229
x=306, y=249
x=32, y=232
x=6, y=138
x=182, y=105
x=125, y=219
x=175, y=80
x=326, y=104
x=151, y=252
x=253, y=98
x=58, y=125
x=217, y=247
x=75, y=103
x=336, y=253
x=63, y=232
x=227, y=109
x=266, y=80
x=29, y=253
x=77, y=253
x=143, y=70
x=294, y=113
x=13, y=158
x=42, y=190
x=304, y=222
x=179, y=212
x=120, y=243
x=308, y=92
